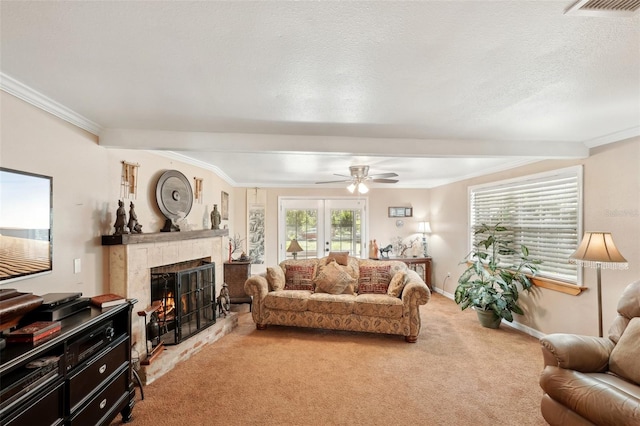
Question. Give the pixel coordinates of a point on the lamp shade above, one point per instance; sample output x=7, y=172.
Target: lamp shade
x=424, y=227
x=294, y=247
x=597, y=248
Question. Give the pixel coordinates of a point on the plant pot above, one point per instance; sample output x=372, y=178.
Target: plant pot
x=488, y=319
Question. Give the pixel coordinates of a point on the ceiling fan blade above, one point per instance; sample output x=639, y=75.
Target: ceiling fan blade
x=383, y=175
x=336, y=181
x=385, y=180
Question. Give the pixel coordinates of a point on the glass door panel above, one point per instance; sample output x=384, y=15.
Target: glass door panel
x=302, y=218
x=345, y=222
x=320, y=226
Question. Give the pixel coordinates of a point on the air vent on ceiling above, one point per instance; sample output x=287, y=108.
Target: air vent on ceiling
x=608, y=8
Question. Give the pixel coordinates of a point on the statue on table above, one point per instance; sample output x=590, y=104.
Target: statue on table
x=134, y=226
x=121, y=219
x=384, y=251
x=374, y=250
x=215, y=217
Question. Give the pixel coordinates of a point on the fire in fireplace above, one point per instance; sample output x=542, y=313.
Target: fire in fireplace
x=185, y=295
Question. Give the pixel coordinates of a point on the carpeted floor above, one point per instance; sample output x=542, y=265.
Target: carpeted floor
x=458, y=373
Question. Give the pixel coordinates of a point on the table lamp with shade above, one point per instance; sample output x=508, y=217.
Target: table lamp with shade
x=424, y=228
x=294, y=248
x=597, y=250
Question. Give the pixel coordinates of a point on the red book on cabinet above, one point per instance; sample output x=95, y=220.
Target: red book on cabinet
x=34, y=332
x=107, y=300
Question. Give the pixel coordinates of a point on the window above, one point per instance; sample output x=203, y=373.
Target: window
x=544, y=212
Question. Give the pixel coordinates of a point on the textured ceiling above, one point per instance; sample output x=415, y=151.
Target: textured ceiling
x=435, y=91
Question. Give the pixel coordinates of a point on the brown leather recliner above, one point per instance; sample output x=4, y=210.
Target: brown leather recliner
x=595, y=380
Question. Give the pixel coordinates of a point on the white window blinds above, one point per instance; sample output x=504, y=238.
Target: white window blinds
x=544, y=213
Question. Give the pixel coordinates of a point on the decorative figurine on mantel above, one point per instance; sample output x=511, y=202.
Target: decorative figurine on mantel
x=121, y=219
x=134, y=226
x=215, y=217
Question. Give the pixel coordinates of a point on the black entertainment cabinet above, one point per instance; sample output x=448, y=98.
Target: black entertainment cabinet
x=86, y=378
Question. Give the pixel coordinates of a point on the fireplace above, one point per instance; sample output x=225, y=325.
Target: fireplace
x=184, y=294
x=132, y=257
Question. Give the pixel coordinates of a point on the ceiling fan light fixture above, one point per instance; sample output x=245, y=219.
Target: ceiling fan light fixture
x=360, y=175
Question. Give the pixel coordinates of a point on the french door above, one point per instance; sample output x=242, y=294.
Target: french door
x=321, y=225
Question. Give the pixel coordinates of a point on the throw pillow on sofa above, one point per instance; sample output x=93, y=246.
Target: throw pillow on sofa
x=342, y=257
x=275, y=278
x=625, y=355
x=397, y=284
x=333, y=279
x=374, y=279
x=299, y=277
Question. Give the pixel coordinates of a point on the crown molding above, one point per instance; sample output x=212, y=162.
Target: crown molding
x=37, y=99
x=188, y=160
x=614, y=137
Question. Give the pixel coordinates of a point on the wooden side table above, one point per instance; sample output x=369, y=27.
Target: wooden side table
x=235, y=274
x=412, y=262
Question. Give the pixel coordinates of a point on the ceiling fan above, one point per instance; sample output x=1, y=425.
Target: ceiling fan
x=360, y=175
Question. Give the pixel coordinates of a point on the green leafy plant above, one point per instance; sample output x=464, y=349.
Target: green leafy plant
x=495, y=272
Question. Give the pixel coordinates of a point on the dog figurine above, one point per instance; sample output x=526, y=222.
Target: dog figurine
x=385, y=250
x=224, y=301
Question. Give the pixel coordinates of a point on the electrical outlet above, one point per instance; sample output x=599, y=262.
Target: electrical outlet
x=77, y=266
x=448, y=274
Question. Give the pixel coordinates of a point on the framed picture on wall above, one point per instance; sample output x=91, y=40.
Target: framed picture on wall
x=224, y=205
x=400, y=211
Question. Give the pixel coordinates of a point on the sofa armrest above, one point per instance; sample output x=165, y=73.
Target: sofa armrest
x=587, y=354
x=415, y=292
x=257, y=287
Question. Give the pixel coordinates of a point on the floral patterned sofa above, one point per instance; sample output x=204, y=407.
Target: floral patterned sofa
x=340, y=292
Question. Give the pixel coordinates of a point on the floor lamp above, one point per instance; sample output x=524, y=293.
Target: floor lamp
x=597, y=250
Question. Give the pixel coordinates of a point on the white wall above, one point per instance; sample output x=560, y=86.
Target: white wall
x=611, y=204
x=381, y=227
x=86, y=189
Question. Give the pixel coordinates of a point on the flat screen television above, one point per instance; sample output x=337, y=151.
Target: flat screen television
x=26, y=217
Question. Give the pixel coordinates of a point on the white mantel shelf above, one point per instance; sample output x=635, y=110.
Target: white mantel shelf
x=158, y=237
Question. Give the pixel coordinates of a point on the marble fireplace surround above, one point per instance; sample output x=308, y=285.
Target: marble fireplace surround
x=131, y=257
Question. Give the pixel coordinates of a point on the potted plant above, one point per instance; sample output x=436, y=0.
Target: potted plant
x=490, y=283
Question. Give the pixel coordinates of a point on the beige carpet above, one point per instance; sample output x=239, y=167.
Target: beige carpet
x=458, y=373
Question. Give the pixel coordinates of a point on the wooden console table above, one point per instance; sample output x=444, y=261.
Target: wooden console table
x=235, y=274
x=412, y=262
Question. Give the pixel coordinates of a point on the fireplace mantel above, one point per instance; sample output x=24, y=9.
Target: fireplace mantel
x=158, y=237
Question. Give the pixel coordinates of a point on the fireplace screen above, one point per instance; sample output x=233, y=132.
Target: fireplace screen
x=185, y=293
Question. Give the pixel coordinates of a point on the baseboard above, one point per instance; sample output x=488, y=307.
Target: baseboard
x=521, y=327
